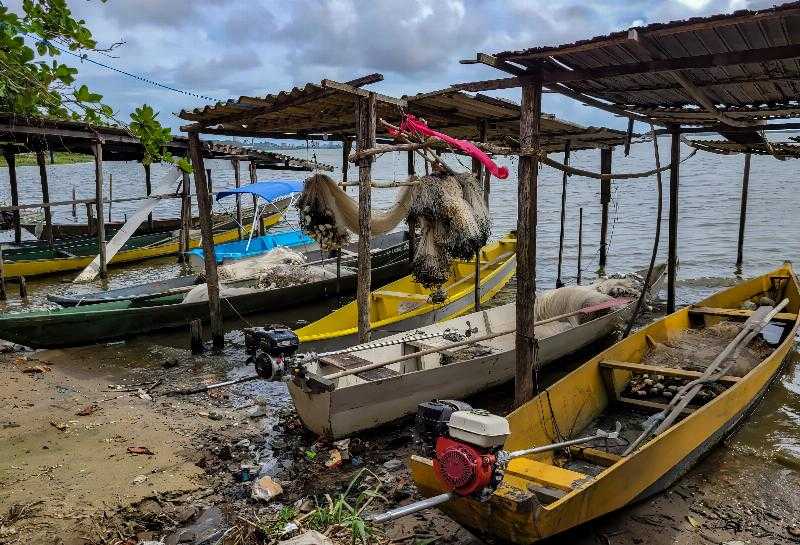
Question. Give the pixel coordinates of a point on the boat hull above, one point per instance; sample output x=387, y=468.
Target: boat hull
x=514, y=514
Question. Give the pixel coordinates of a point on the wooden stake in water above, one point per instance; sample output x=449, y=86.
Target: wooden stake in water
x=580, y=244
x=74, y=206
x=110, y=194
x=2, y=276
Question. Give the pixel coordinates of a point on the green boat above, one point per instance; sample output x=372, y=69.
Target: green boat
x=117, y=320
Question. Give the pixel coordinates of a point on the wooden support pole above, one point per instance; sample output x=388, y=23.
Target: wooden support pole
x=254, y=179
x=238, y=182
x=207, y=233
x=97, y=147
x=365, y=129
x=559, y=281
x=743, y=214
x=23, y=287
x=580, y=244
x=605, y=199
x=412, y=224
x=196, y=336
x=2, y=276
x=477, y=289
x=41, y=159
x=149, y=189
x=11, y=160
x=347, y=145
x=629, y=136
x=110, y=194
x=210, y=182
x=186, y=218
x=527, y=196
x=90, y=217
x=672, y=256
x=74, y=204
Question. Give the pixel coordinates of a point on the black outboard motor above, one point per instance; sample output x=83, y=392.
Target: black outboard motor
x=268, y=349
x=431, y=422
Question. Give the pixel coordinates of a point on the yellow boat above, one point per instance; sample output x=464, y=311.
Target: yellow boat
x=547, y=493
x=65, y=256
x=404, y=304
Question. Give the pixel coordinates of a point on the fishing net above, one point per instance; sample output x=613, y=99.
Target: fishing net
x=552, y=303
x=253, y=267
x=200, y=293
x=328, y=214
x=454, y=224
x=283, y=275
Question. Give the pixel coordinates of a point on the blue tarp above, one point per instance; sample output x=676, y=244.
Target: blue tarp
x=239, y=249
x=271, y=190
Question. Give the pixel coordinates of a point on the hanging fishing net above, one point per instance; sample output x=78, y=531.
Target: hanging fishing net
x=328, y=214
x=454, y=224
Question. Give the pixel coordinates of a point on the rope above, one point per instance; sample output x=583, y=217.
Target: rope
x=656, y=240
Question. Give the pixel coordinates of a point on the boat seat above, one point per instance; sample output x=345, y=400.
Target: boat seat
x=657, y=370
x=401, y=295
x=595, y=456
x=739, y=314
x=648, y=406
x=549, y=476
x=349, y=361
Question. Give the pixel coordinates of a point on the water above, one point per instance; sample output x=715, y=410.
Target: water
x=708, y=227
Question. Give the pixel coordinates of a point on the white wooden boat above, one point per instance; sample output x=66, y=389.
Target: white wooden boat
x=374, y=397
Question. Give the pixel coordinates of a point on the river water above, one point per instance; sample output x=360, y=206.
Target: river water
x=708, y=226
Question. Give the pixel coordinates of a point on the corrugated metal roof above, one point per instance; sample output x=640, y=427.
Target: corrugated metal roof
x=314, y=110
x=755, y=89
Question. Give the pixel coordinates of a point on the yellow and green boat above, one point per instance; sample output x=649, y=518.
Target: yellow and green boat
x=405, y=304
x=40, y=259
x=547, y=493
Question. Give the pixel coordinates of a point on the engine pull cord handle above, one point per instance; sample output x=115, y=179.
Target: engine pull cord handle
x=504, y=456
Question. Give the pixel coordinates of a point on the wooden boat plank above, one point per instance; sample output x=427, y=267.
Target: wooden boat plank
x=741, y=314
x=646, y=405
x=657, y=370
x=351, y=361
x=595, y=456
x=548, y=475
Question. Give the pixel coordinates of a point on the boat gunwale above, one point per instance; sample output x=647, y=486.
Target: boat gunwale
x=426, y=307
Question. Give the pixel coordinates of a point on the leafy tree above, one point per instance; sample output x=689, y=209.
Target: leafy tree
x=154, y=138
x=36, y=84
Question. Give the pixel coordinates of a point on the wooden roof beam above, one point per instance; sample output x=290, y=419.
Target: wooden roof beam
x=691, y=89
x=355, y=91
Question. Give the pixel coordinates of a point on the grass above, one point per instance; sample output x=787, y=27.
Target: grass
x=60, y=158
x=340, y=518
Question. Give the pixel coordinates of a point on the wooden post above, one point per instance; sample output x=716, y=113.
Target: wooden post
x=11, y=160
x=580, y=244
x=149, y=188
x=527, y=196
x=210, y=184
x=41, y=159
x=559, y=282
x=412, y=224
x=90, y=217
x=238, y=181
x=74, y=206
x=186, y=219
x=110, y=194
x=196, y=336
x=365, y=129
x=207, y=233
x=23, y=287
x=628, y=137
x=347, y=145
x=605, y=199
x=743, y=213
x=672, y=256
x=2, y=276
x=98, y=195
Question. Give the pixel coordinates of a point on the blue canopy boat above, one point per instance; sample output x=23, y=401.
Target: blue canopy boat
x=271, y=191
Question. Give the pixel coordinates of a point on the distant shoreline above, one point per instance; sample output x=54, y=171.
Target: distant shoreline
x=59, y=158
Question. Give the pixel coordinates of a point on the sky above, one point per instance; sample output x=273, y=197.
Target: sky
x=226, y=48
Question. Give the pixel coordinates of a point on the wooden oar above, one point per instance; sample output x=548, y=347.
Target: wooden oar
x=586, y=310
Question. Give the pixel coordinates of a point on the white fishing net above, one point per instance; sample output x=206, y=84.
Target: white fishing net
x=255, y=266
x=328, y=214
x=552, y=303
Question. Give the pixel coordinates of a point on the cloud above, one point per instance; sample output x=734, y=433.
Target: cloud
x=229, y=48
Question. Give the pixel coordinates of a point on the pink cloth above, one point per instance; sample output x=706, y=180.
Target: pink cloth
x=412, y=124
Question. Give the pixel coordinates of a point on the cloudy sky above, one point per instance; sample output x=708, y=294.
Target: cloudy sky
x=227, y=48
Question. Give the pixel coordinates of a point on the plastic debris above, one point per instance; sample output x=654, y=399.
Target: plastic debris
x=265, y=489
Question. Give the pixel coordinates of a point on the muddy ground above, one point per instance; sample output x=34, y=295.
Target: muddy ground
x=93, y=450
